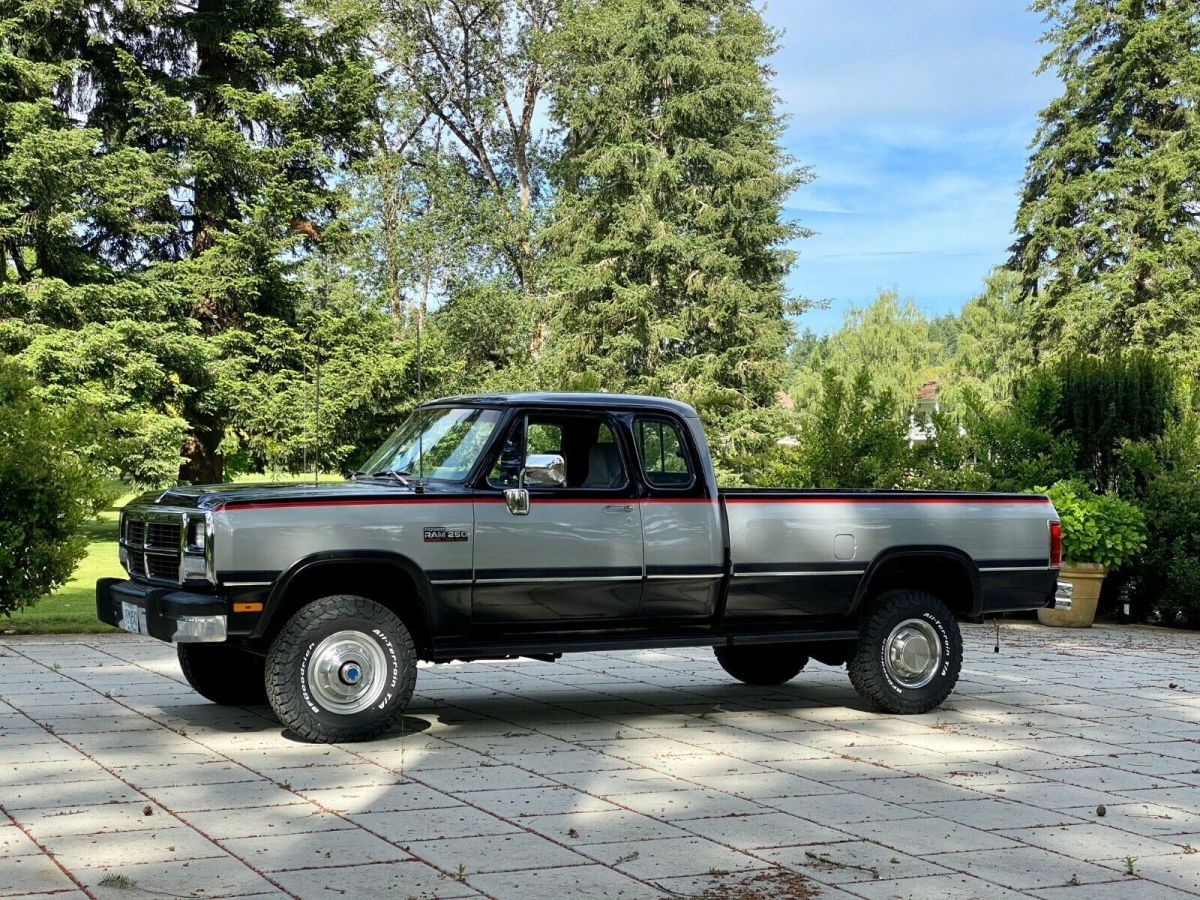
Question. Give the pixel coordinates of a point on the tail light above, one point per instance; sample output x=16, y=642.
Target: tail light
x=1055, y=544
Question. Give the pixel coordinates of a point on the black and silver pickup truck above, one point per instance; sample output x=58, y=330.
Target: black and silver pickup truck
x=538, y=524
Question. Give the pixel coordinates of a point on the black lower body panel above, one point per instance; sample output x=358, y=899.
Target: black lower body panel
x=1017, y=590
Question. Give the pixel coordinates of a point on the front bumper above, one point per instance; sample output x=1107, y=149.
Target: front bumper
x=178, y=617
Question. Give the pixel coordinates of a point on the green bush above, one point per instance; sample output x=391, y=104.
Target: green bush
x=856, y=437
x=1166, y=583
x=1097, y=528
x=1106, y=403
x=47, y=492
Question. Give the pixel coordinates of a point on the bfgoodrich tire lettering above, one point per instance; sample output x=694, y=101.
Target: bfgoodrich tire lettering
x=223, y=673
x=916, y=681
x=342, y=669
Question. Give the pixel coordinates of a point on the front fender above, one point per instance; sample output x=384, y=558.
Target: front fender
x=319, y=563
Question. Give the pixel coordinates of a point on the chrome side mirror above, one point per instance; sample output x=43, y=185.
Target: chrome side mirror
x=544, y=470
x=517, y=501
x=541, y=470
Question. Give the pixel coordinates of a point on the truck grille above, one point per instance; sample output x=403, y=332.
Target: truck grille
x=153, y=546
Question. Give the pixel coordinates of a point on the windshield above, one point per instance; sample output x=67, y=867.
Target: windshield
x=441, y=443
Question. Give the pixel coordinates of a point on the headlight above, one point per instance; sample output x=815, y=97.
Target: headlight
x=197, y=535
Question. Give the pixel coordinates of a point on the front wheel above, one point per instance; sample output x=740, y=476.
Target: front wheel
x=909, y=653
x=342, y=669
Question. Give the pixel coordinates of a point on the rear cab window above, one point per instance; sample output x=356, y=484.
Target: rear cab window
x=662, y=453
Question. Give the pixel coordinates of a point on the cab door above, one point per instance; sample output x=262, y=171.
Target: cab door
x=576, y=556
x=681, y=524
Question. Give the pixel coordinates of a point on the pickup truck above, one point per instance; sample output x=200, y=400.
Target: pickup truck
x=536, y=524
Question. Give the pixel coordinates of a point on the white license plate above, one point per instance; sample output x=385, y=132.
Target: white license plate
x=133, y=618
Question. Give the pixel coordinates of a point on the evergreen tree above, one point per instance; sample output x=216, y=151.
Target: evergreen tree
x=668, y=245
x=181, y=153
x=1108, y=246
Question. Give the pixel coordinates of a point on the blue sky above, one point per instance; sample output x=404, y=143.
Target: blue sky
x=916, y=119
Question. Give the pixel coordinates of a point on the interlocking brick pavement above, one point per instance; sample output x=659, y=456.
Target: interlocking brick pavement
x=639, y=774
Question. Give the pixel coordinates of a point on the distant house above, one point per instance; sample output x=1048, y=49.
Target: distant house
x=920, y=420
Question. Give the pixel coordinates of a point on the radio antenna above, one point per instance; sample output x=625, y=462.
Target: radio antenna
x=420, y=400
x=317, y=418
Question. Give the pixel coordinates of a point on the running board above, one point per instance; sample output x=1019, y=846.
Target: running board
x=550, y=644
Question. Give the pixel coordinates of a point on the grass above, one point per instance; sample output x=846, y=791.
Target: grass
x=72, y=608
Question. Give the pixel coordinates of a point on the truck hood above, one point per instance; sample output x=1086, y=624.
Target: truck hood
x=208, y=496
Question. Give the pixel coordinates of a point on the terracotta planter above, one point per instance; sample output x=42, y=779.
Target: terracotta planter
x=1086, y=578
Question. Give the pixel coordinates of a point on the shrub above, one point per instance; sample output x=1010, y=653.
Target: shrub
x=856, y=437
x=1097, y=528
x=47, y=492
x=1105, y=403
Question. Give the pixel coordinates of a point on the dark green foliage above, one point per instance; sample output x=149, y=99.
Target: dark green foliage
x=1105, y=402
x=1018, y=445
x=48, y=490
x=1107, y=248
x=667, y=253
x=162, y=171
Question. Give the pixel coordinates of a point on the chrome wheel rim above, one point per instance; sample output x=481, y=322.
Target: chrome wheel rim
x=912, y=653
x=347, y=672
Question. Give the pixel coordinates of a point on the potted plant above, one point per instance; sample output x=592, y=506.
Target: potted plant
x=1099, y=532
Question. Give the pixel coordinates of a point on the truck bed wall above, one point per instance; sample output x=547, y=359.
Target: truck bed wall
x=807, y=551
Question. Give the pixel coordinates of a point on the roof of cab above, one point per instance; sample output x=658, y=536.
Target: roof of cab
x=597, y=399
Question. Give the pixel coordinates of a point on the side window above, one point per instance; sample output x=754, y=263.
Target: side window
x=663, y=453
x=543, y=437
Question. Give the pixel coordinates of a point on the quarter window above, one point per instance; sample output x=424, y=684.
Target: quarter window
x=663, y=453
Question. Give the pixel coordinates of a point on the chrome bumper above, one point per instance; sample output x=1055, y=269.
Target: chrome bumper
x=1062, y=595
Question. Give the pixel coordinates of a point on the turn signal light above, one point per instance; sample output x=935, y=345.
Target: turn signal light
x=1055, y=545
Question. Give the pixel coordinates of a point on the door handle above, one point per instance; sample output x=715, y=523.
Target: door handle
x=619, y=508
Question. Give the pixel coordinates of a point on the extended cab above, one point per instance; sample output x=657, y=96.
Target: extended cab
x=538, y=524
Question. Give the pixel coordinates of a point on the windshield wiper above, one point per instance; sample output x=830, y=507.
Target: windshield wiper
x=393, y=474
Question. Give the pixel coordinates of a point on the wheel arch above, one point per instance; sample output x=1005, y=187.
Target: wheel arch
x=947, y=572
x=389, y=578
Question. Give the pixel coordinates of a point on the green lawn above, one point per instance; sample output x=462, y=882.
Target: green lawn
x=72, y=608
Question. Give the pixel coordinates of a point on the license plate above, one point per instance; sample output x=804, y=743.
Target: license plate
x=133, y=618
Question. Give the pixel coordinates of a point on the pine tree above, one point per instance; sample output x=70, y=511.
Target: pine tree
x=1108, y=247
x=667, y=253
x=184, y=153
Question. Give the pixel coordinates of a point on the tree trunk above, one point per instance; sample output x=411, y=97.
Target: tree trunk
x=202, y=463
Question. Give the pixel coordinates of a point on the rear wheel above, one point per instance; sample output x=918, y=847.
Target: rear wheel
x=342, y=669
x=762, y=664
x=224, y=673
x=909, y=653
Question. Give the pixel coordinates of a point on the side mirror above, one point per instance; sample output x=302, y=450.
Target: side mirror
x=544, y=470
x=541, y=470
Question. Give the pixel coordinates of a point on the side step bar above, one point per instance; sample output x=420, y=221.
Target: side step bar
x=586, y=644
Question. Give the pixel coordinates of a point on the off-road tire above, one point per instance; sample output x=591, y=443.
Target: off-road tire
x=869, y=673
x=224, y=673
x=762, y=665
x=297, y=704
